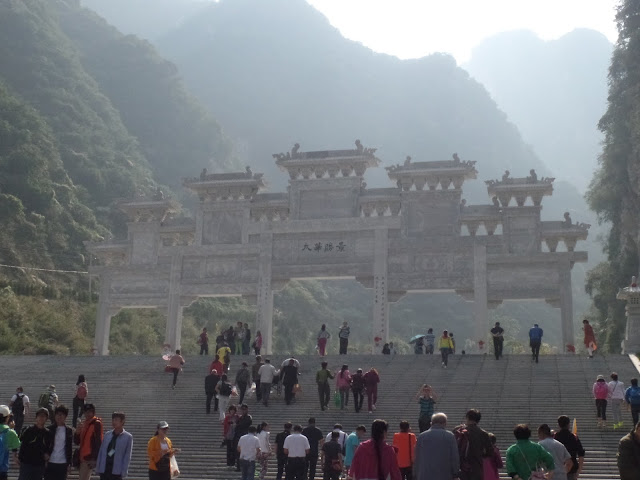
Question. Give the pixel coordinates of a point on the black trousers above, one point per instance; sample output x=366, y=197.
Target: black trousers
x=424, y=423
x=211, y=396
x=176, y=371
x=55, y=471
x=324, y=392
x=406, y=473
x=155, y=475
x=288, y=393
x=535, y=349
x=78, y=407
x=204, y=349
x=358, y=398
x=19, y=419
x=344, y=343
x=311, y=464
x=282, y=463
x=295, y=468
x=258, y=392
x=329, y=473
x=231, y=453
x=601, y=408
x=497, y=347
x=242, y=388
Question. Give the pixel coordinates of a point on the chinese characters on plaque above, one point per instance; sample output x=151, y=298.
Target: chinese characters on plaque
x=317, y=247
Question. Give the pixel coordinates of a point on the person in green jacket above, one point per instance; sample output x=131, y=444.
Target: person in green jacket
x=324, y=391
x=629, y=455
x=525, y=456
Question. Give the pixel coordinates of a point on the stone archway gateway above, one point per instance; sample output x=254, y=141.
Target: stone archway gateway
x=329, y=224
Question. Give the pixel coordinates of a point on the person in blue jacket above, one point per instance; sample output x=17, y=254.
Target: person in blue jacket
x=632, y=397
x=114, y=455
x=535, y=340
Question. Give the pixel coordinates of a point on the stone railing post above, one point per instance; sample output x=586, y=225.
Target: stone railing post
x=631, y=294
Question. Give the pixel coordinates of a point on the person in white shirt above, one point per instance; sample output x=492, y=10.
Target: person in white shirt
x=296, y=447
x=248, y=449
x=561, y=457
x=342, y=439
x=60, y=457
x=264, y=436
x=616, y=396
x=267, y=372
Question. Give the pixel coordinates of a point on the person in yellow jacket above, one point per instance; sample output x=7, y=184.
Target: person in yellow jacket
x=446, y=346
x=160, y=451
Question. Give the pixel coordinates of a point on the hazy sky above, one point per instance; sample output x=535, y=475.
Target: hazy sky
x=414, y=28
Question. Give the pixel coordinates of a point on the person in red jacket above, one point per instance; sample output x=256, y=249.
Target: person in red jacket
x=375, y=458
x=589, y=338
x=371, y=381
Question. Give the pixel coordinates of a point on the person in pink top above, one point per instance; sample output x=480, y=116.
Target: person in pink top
x=175, y=365
x=375, y=458
x=493, y=463
x=343, y=385
x=600, y=393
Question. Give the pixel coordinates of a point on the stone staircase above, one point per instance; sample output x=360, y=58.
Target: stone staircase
x=507, y=392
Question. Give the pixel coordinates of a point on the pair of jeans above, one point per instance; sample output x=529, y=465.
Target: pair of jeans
x=288, y=393
x=601, y=408
x=265, y=391
x=295, y=468
x=30, y=472
x=78, y=407
x=497, y=347
x=444, y=353
x=242, y=388
x=344, y=343
x=211, y=396
x=616, y=404
x=310, y=467
x=535, y=349
x=55, y=471
x=247, y=469
x=223, y=403
x=344, y=398
x=238, y=349
x=372, y=396
x=324, y=392
x=358, y=398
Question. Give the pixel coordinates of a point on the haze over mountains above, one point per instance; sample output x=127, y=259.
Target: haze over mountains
x=555, y=92
x=116, y=118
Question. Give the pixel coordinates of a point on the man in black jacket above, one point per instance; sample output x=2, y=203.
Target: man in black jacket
x=242, y=428
x=35, y=447
x=280, y=455
x=210, y=382
x=61, y=442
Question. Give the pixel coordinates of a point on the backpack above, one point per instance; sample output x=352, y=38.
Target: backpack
x=462, y=440
x=601, y=390
x=43, y=401
x=18, y=405
x=634, y=396
x=81, y=393
x=4, y=452
x=225, y=389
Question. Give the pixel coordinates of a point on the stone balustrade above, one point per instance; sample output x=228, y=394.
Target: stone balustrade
x=554, y=232
x=310, y=165
x=520, y=188
x=441, y=174
x=226, y=186
x=476, y=215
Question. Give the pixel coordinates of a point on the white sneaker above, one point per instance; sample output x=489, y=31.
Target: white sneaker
x=445, y=366
x=370, y=411
x=374, y=406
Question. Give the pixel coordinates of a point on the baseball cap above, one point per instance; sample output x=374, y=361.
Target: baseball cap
x=4, y=411
x=600, y=377
x=162, y=425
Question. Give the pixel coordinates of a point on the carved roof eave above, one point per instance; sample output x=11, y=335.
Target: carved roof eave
x=468, y=172
x=481, y=217
x=575, y=231
x=106, y=247
x=289, y=163
x=199, y=185
x=627, y=292
x=528, y=188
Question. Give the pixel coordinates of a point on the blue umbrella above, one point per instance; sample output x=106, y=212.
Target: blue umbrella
x=415, y=338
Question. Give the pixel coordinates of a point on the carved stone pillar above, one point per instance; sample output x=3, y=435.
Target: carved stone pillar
x=480, y=303
x=631, y=294
x=103, y=318
x=173, y=331
x=380, y=289
x=566, y=307
x=264, y=300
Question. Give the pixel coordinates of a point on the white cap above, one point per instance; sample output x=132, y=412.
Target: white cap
x=4, y=411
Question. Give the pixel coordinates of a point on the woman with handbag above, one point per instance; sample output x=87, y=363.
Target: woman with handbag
x=160, y=451
x=527, y=460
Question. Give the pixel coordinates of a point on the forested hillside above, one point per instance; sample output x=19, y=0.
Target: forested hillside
x=615, y=190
